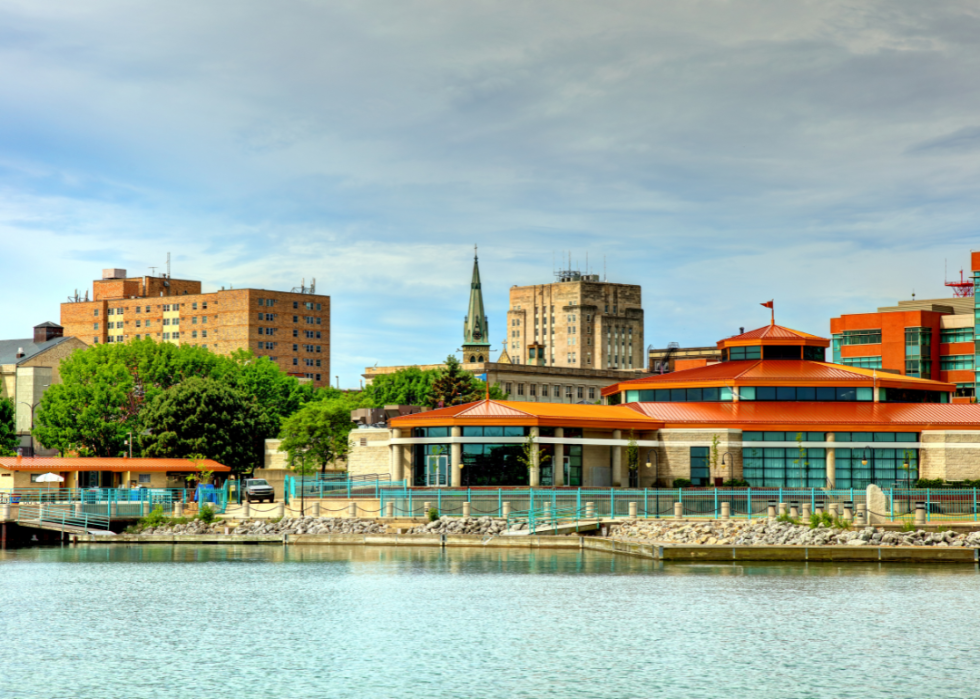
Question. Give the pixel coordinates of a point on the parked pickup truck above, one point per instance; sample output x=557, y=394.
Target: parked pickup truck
x=258, y=489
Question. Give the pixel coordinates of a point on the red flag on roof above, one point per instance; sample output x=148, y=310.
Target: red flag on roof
x=767, y=304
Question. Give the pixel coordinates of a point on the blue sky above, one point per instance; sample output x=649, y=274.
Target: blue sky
x=824, y=154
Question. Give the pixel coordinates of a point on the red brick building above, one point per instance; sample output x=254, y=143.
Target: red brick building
x=931, y=339
x=291, y=328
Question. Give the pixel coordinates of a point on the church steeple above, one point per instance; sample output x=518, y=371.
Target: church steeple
x=476, y=329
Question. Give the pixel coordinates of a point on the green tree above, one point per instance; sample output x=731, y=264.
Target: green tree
x=633, y=459
x=454, y=386
x=209, y=418
x=8, y=427
x=715, y=460
x=317, y=433
x=408, y=386
x=529, y=449
x=801, y=460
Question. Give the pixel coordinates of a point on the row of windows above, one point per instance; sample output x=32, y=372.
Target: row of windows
x=956, y=335
x=862, y=362
x=838, y=436
x=854, y=468
x=862, y=337
x=783, y=393
x=956, y=362
x=166, y=308
x=308, y=305
x=533, y=389
x=737, y=354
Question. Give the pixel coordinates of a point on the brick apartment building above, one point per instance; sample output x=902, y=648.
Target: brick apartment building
x=290, y=328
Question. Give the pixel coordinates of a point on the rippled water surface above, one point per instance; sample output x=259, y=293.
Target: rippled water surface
x=298, y=622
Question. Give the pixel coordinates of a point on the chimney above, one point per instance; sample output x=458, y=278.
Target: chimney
x=741, y=331
x=47, y=331
x=20, y=353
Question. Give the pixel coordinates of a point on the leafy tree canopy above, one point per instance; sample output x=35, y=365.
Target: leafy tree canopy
x=318, y=433
x=454, y=386
x=205, y=417
x=8, y=427
x=408, y=386
x=105, y=389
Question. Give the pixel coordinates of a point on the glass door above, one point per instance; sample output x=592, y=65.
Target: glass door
x=436, y=470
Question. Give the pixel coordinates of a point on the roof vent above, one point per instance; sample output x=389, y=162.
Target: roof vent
x=114, y=273
x=20, y=352
x=741, y=331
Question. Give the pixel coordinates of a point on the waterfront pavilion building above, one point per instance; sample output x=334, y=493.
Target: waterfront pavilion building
x=772, y=413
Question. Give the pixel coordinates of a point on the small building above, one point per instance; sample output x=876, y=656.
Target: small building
x=677, y=358
x=98, y=472
x=773, y=413
x=28, y=367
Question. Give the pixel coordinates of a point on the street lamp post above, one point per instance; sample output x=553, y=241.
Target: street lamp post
x=33, y=408
x=730, y=455
x=655, y=464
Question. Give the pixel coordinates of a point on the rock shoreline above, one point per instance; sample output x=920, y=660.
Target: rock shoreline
x=262, y=527
x=774, y=533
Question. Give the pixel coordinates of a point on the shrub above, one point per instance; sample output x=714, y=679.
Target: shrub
x=825, y=519
x=908, y=526
x=682, y=483
x=207, y=514
x=930, y=483
x=154, y=519
x=736, y=483
x=433, y=514
x=787, y=518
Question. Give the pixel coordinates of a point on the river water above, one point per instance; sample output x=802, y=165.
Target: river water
x=113, y=622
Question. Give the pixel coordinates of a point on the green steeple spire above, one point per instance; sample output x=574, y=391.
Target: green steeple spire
x=476, y=330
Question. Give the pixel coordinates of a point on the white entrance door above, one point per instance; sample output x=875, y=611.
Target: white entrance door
x=436, y=470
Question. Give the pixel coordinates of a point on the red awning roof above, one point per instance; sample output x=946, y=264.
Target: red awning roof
x=774, y=332
x=57, y=464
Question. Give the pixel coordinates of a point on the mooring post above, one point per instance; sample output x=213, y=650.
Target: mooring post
x=726, y=510
x=678, y=510
x=806, y=511
x=390, y=510
x=848, y=511
x=505, y=510
x=589, y=510
x=771, y=510
x=466, y=509
x=632, y=509
x=794, y=509
x=920, y=513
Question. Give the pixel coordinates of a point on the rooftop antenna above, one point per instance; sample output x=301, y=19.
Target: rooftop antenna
x=168, y=265
x=153, y=271
x=604, y=277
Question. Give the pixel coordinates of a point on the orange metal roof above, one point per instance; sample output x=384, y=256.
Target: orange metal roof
x=841, y=417
x=775, y=332
x=777, y=372
x=58, y=464
x=527, y=413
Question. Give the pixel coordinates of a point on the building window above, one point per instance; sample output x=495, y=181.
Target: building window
x=204, y=305
x=956, y=335
x=295, y=332
x=700, y=471
x=295, y=304
x=956, y=362
x=147, y=323
x=295, y=361
x=204, y=319
x=557, y=392
x=138, y=309
x=95, y=326
x=317, y=377
x=568, y=392
x=295, y=348
x=862, y=337
x=174, y=335
x=318, y=320
x=95, y=340
x=295, y=319
x=591, y=392
x=520, y=389
x=261, y=302
x=144, y=477
x=193, y=333
x=863, y=362
x=533, y=390
x=166, y=336
x=204, y=333
x=507, y=389
x=581, y=392
x=95, y=312
x=194, y=306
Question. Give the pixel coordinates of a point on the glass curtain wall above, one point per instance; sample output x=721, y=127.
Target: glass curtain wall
x=918, y=342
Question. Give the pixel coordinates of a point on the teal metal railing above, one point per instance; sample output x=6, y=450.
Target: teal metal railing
x=62, y=516
x=96, y=495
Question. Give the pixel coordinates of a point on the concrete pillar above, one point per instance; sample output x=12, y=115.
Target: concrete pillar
x=920, y=514
x=805, y=512
x=771, y=510
x=505, y=511
x=632, y=509
x=848, y=511
x=589, y=510
x=397, y=467
x=832, y=509
x=559, y=465
x=546, y=509
x=426, y=506
x=5, y=511
x=535, y=475
x=678, y=510
x=389, y=510
x=315, y=509
x=281, y=510
x=352, y=510
x=466, y=509
x=831, y=463
x=782, y=509
x=726, y=510
x=246, y=509
x=862, y=513
x=457, y=459
x=77, y=508
x=878, y=506
x=178, y=509
x=818, y=511
x=617, y=461
x=794, y=509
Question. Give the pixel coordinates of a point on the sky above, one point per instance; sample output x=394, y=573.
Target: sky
x=720, y=154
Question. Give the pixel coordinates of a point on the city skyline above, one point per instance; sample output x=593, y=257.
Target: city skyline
x=820, y=155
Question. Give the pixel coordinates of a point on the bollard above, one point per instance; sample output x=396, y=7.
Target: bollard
x=782, y=509
x=920, y=513
x=632, y=509
x=678, y=510
x=227, y=531
x=466, y=509
x=726, y=510
x=848, y=511
x=589, y=510
x=771, y=512
x=862, y=513
x=426, y=506
x=246, y=509
x=505, y=512
x=832, y=510
x=5, y=511
x=352, y=510
x=316, y=509
x=794, y=509
x=805, y=512
x=819, y=511
x=389, y=510
x=546, y=514
x=78, y=509
x=178, y=509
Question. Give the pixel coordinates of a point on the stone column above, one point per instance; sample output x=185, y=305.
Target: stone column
x=535, y=475
x=559, y=465
x=617, y=461
x=397, y=468
x=878, y=510
x=457, y=459
x=726, y=510
x=506, y=510
x=352, y=510
x=315, y=508
x=831, y=463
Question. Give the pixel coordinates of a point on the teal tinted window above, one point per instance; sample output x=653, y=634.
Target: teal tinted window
x=746, y=393
x=837, y=342
x=711, y=394
x=778, y=467
x=694, y=395
x=774, y=436
x=700, y=471
x=615, y=399
x=632, y=396
x=472, y=431
x=906, y=437
x=862, y=337
x=846, y=393
x=726, y=394
x=752, y=436
x=815, y=354
x=783, y=352
x=662, y=394
x=765, y=393
x=862, y=362
x=493, y=431
x=884, y=436
x=826, y=393
x=678, y=395
x=866, y=394
x=956, y=335
x=785, y=393
x=647, y=396
x=805, y=393
x=430, y=432
x=956, y=362
x=858, y=468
